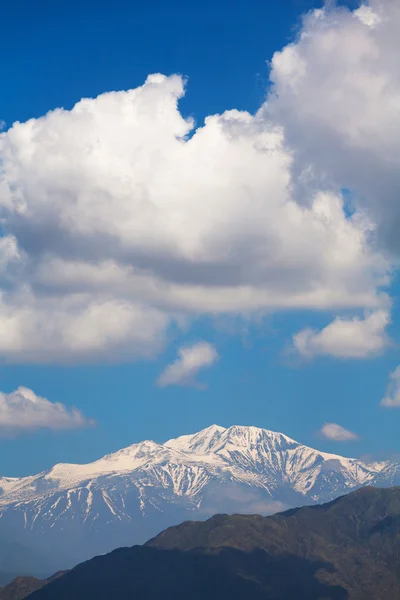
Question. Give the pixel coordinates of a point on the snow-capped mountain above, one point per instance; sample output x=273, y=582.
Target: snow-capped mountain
x=129, y=496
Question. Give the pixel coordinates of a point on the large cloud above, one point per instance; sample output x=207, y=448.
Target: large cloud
x=121, y=220
x=23, y=410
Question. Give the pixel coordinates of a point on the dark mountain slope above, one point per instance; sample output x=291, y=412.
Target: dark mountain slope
x=359, y=534
x=146, y=573
x=347, y=549
x=356, y=518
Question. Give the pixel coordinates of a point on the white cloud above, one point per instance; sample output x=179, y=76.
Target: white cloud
x=336, y=94
x=392, y=395
x=333, y=431
x=367, y=16
x=22, y=410
x=191, y=360
x=346, y=338
x=78, y=327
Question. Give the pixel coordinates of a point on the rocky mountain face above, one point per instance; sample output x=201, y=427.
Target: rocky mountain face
x=348, y=549
x=74, y=512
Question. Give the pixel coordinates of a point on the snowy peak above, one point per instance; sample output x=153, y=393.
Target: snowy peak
x=186, y=466
x=254, y=437
x=200, y=443
x=132, y=457
x=245, y=448
x=215, y=438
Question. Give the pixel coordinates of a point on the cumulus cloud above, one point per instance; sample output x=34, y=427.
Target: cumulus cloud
x=345, y=338
x=392, y=395
x=336, y=94
x=22, y=410
x=190, y=361
x=337, y=433
x=112, y=206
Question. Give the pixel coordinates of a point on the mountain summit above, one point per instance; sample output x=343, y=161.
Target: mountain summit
x=129, y=496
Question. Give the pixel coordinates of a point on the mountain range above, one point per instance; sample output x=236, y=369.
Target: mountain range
x=347, y=549
x=73, y=512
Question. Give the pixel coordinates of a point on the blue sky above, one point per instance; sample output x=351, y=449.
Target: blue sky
x=62, y=53
x=58, y=54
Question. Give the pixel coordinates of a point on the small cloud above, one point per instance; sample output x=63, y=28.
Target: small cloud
x=22, y=410
x=238, y=498
x=191, y=359
x=392, y=396
x=367, y=16
x=337, y=433
x=345, y=338
x=332, y=465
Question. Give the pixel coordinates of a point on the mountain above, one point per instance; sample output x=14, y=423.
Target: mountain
x=129, y=496
x=348, y=549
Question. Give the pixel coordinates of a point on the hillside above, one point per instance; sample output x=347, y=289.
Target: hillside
x=345, y=549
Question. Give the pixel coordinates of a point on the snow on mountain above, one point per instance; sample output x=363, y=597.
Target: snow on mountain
x=7, y=484
x=130, y=495
x=200, y=443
